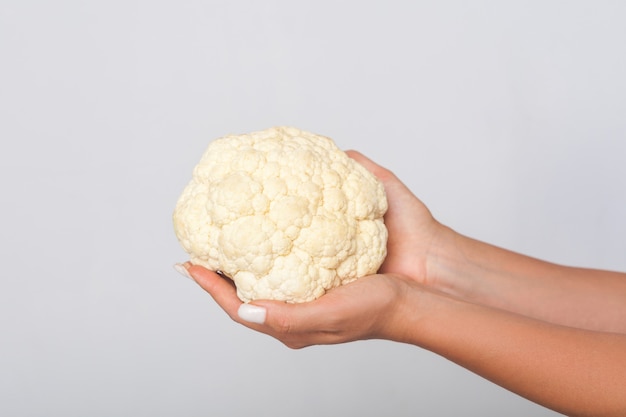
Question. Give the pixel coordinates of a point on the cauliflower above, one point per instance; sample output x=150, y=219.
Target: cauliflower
x=284, y=213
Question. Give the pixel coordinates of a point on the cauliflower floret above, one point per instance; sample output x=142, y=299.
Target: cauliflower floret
x=284, y=213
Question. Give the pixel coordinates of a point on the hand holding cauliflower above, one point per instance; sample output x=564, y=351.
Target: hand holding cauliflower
x=284, y=213
x=460, y=297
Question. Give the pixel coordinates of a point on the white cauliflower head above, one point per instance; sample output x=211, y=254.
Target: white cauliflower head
x=284, y=213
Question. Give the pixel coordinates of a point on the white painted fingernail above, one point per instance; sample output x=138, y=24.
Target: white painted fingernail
x=183, y=271
x=252, y=313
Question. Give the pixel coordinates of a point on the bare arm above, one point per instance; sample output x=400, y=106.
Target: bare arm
x=485, y=274
x=572, y=371
x=430, y=253
x=553, y=334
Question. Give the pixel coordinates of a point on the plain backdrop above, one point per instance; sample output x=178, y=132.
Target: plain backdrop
x=506, y=118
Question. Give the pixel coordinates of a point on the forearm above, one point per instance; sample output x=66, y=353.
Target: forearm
x=573, y=371
x=495, y=277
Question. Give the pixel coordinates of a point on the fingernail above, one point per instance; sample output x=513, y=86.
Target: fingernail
x=183, y=271
x=252, y=313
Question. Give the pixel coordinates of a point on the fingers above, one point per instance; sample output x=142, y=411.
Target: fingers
x=394, y=188
x=382, y=173
x=292, y=324
x=341, y=315
x=221, y=289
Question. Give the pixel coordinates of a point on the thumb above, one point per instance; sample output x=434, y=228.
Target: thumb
x=295, y=325
x=380, y=172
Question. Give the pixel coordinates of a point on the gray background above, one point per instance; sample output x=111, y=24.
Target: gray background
x=506, y=118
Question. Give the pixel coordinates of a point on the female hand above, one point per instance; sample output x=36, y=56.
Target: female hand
x=549, y=332
x=364, y=309
x=413, y=232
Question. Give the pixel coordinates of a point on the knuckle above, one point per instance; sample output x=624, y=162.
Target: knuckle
x=283, y=325
x=285, y=330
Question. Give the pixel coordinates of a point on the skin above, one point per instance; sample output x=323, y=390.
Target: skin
x=553, y=334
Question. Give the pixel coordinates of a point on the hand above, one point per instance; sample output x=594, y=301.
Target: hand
x=413, y=232
x=364, y=309
x=367, y=308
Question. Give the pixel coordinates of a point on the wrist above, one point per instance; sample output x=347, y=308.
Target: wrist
x=444, y=262
x=416, y=314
